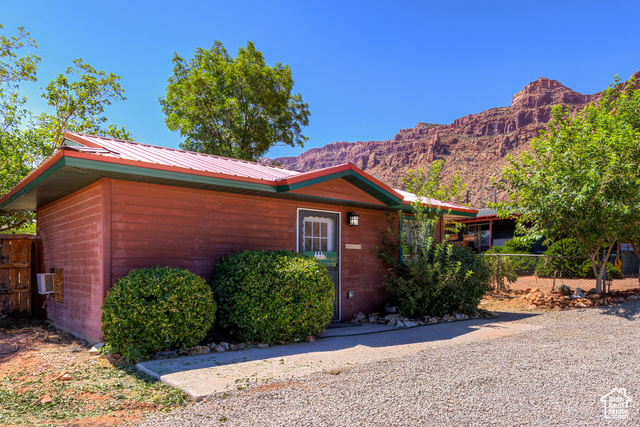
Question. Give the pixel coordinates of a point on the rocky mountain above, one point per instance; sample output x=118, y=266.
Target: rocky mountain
x=475, y=144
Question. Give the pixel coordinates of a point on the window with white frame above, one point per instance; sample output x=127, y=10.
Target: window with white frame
x=318, y=234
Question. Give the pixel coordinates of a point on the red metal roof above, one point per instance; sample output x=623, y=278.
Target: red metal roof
x=162, y=158
x=135, y=151
x=410, y=197
x=153, y=154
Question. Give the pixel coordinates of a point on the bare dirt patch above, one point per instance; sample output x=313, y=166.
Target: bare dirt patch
x=504, y=302
x=49, y=377
x=548, y=284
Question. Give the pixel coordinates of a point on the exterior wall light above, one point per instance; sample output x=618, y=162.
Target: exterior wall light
x=350, y=294
x=353, y=218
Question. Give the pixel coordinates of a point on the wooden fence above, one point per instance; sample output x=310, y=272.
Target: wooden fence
x=15, y=274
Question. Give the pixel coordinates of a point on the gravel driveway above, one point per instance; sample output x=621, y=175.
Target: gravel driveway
x=553, y=375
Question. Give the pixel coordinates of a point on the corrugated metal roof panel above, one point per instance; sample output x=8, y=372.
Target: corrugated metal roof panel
x=410, y=197
x=152, y=154
x=128, y=150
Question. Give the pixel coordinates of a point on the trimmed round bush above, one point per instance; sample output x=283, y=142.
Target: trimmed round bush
x=272, y=295
x=157, y=309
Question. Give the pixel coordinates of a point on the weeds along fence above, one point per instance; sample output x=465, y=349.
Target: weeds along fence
x=555, y=272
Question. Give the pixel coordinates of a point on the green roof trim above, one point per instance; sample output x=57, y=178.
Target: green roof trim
x=71, y=143
x=51, y=170
x=353, y=178
x=96, y=165
x=68, y=174
x=435, y=210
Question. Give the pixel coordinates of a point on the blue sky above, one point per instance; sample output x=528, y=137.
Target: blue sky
x=366, y=68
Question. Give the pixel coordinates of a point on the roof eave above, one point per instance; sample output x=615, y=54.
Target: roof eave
x=349, y=172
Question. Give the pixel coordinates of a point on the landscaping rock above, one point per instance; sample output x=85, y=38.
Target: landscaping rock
x=392, y=322
x=44, y=400
x=218, y=349
x=263, y=345
x=577, y=300
x=198, y=350
x=64, y=376
x=165, y=354
x=434, y=319
x=410, y=324
x=400, y=324
x=225, y=345
x=95, y=350
x=360, y=316
x=311, y=338
x=240, y=346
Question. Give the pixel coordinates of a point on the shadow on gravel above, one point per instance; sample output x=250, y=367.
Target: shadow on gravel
x=629, y=310
x=358, y=339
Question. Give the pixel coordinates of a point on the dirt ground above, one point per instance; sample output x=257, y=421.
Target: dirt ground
x=547, y=284
x=49, y=377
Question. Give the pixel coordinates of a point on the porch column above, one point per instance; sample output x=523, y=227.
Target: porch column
x=490, y=234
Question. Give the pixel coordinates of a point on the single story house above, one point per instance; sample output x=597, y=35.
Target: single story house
x=106, y=206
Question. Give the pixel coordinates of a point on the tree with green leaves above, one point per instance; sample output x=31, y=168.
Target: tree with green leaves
x=427, y=277
x=234, y=107
x=429, y=189
x=581, y=178
x=20, y=149
x=78, y=98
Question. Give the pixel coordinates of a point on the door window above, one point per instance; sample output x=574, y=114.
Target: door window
x=318, y=234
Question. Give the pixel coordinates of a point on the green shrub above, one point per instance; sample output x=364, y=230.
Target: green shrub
x=272, y=296
x=519, y=266
x=586, y=270
x=507, y=273
x=438, y=279
x=519, y=244
x=156, y=309
x=563, y=267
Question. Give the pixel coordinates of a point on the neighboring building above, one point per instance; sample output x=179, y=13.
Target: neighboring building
x=485, y=231
x=105, y=207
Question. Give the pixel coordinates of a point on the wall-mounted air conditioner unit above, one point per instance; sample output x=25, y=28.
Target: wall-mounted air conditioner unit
x=45, y=283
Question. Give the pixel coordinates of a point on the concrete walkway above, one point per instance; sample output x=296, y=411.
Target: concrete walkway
x=335, y=349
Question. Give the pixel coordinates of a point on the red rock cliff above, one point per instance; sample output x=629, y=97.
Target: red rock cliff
x=475, y=144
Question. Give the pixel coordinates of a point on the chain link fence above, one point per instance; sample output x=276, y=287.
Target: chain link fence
x=556, y=273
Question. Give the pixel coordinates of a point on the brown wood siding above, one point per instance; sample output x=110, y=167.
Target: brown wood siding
x=338, y=189
x=70, y=233
x=362, y=269
x=103, y=231
x=155, y=225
